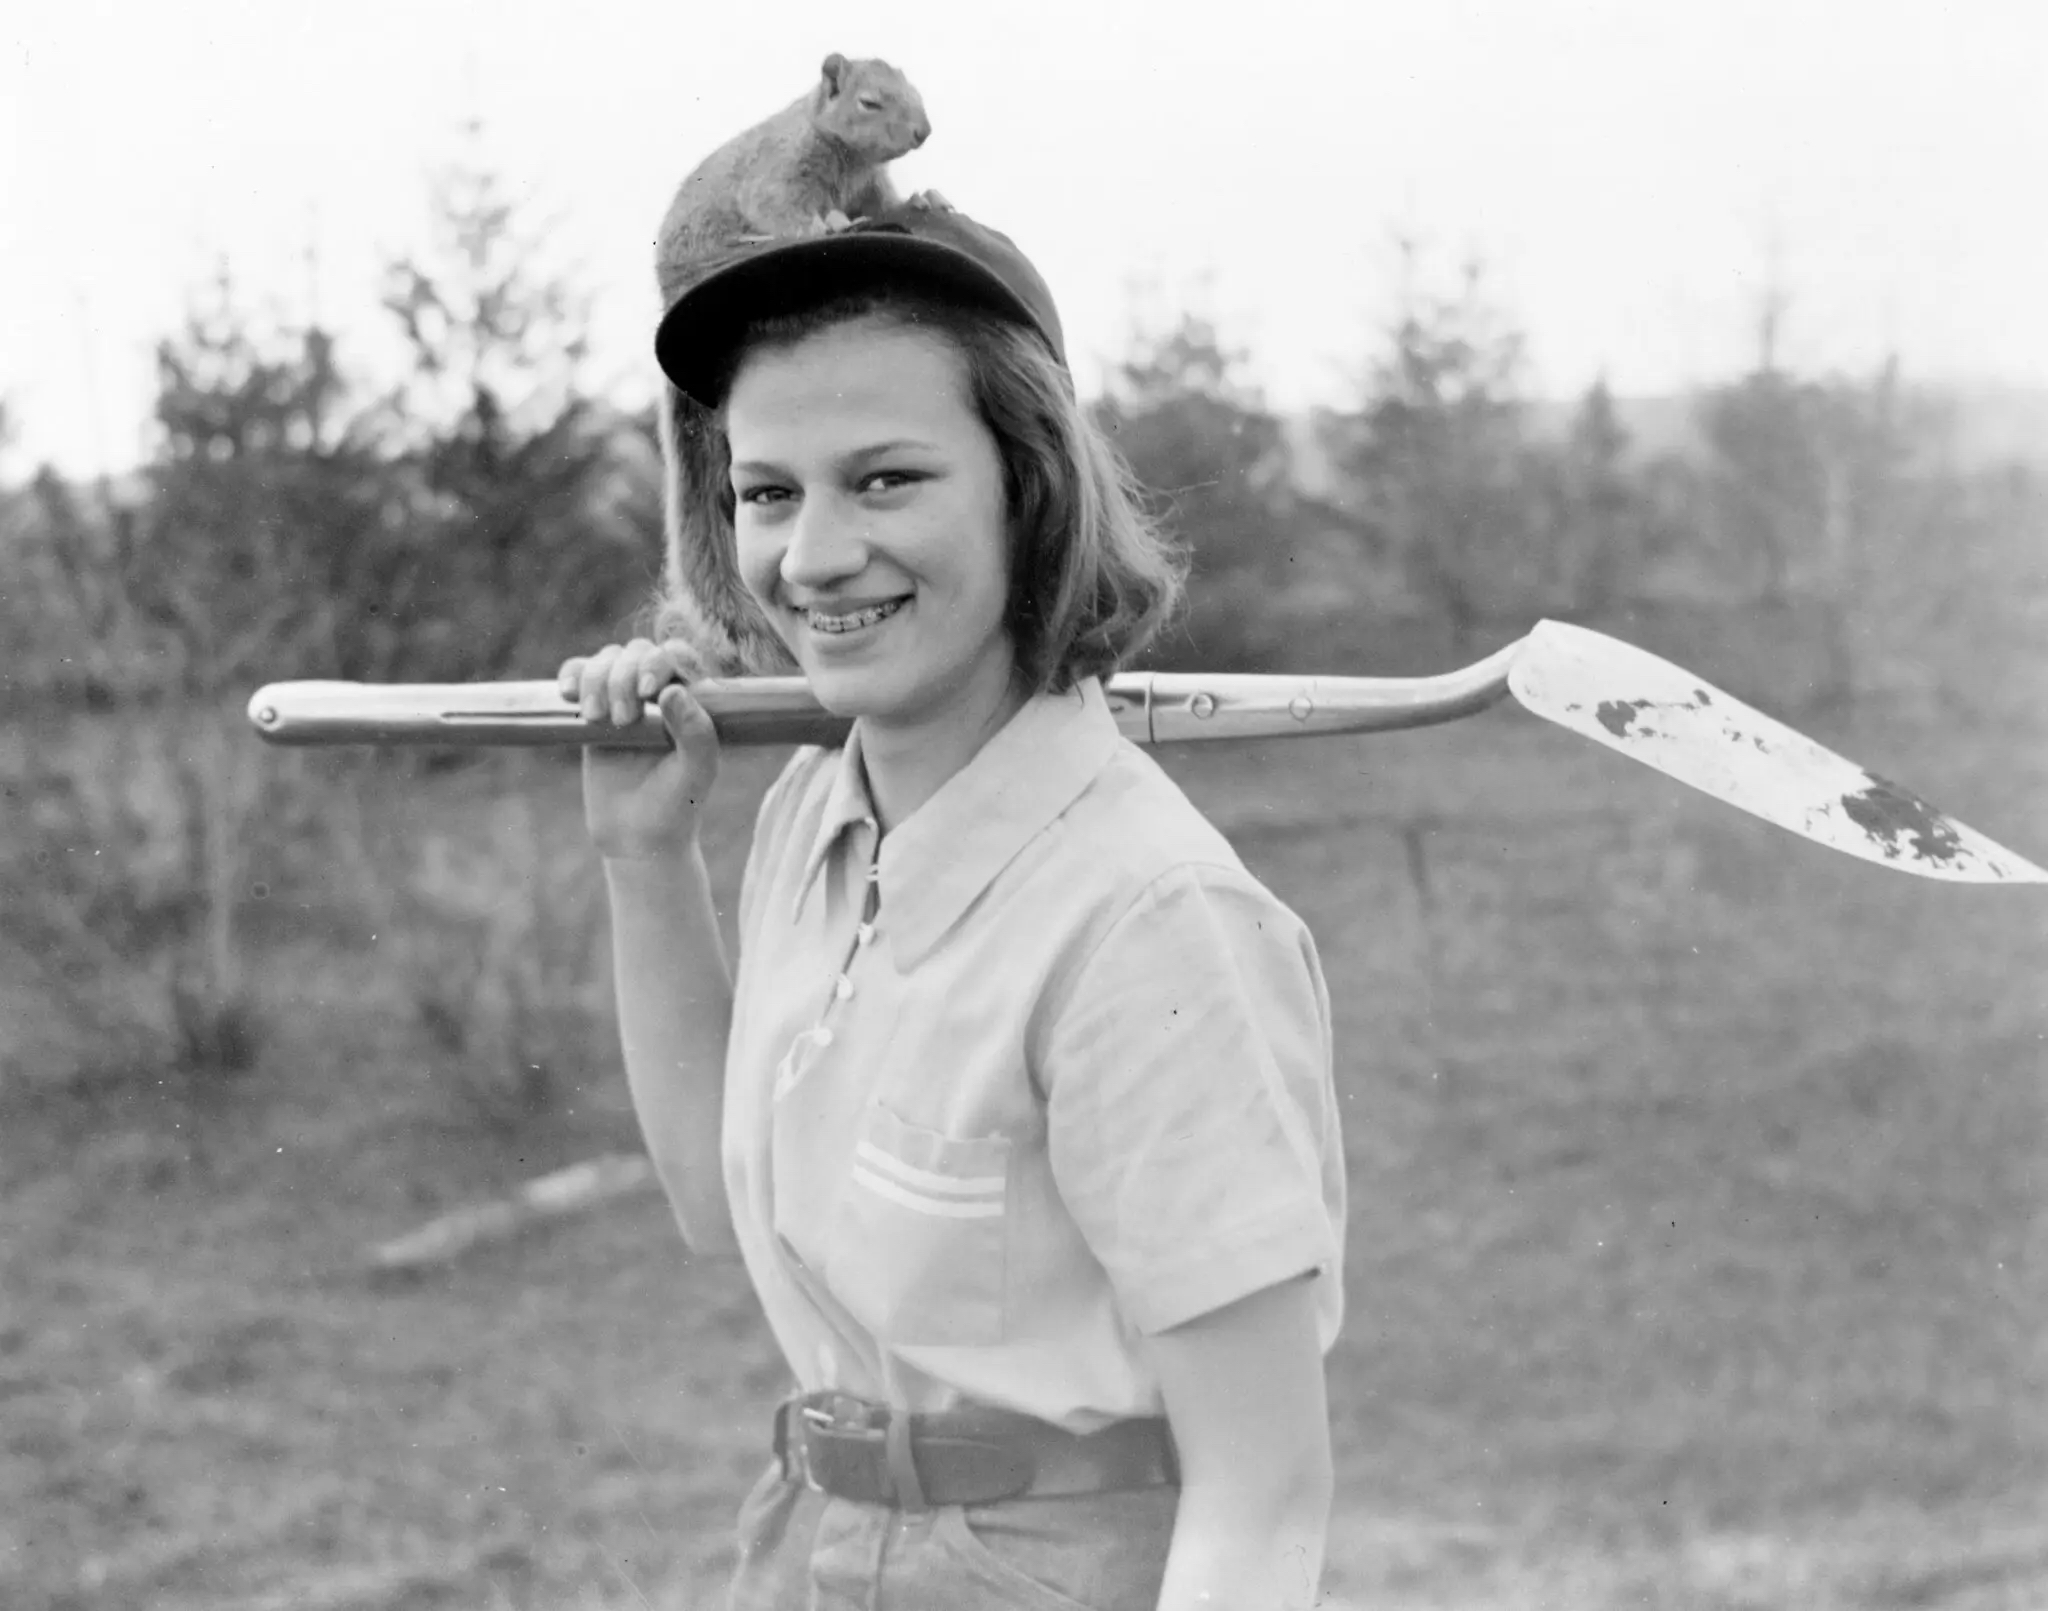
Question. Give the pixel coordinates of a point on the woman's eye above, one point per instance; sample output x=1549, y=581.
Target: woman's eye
x=889, y=480
x=759, y=495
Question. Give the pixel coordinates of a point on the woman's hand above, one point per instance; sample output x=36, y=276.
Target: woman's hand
x=642, y=805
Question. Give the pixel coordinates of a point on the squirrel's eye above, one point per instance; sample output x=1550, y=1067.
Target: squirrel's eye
x=870, y=103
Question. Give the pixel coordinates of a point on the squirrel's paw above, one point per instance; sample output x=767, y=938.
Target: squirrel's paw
x=694, y=660
x=835, y=221
x=930, y=201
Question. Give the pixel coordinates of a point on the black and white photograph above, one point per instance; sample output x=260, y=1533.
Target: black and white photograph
x=1093, y=807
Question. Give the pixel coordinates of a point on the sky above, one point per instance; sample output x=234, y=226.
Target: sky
x=1634, y=177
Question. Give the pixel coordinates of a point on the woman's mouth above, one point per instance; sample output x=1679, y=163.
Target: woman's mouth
x=834, y=624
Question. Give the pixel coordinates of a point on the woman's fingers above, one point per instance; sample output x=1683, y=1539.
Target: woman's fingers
x=590, y=692
x=622, y=684
x=636, y=804
x=616, y=683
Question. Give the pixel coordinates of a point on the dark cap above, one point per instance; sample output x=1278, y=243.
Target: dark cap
x=912, y=247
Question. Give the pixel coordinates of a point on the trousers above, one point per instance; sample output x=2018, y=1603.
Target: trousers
x=801, y=1550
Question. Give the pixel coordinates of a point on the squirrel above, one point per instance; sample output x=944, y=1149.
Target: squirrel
x=812, y=167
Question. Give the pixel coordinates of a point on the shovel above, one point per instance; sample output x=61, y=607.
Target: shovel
x=1597, y=686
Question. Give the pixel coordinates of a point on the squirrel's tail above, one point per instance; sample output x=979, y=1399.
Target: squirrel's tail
x=704, y=602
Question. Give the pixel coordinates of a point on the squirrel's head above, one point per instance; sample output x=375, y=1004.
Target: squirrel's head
x=870, y=106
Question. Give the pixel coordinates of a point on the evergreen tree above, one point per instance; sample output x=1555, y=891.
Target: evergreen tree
x=1596, y=541
x=1197, y=433
x=267, y=511
x=533, y=541
x=1435, y=455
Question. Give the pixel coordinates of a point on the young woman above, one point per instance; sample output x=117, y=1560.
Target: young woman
x=1018, y=1106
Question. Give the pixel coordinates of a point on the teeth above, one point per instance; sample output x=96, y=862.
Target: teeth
x=853, y=622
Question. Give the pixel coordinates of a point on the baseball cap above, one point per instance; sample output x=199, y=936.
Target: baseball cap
x=914, y=247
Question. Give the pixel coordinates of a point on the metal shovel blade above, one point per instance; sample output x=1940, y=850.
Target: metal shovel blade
x=1667, y=718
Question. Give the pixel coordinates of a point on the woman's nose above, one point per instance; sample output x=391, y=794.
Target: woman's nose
x=825, y=546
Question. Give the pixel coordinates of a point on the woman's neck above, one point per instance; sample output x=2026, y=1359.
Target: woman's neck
x=907, y=765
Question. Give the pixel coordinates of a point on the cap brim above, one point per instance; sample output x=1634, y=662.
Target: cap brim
x=694, y=342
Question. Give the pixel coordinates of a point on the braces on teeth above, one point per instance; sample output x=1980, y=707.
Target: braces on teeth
x=855, y=621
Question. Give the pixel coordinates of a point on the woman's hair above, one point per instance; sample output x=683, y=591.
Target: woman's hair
x=1093, y=577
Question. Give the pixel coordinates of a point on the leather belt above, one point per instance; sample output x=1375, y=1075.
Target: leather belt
x=856, y=1449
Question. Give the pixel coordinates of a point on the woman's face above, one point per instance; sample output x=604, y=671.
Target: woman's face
x=871, y=524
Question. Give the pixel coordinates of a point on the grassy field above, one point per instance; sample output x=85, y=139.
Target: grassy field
x=1699, y=1254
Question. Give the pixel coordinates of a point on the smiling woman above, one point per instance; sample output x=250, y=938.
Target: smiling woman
x=1018, y=1105
x=871, y=526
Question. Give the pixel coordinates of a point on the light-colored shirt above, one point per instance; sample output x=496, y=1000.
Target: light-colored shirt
x=1071, y=1085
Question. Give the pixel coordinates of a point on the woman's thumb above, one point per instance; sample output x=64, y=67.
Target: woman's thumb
x=688, y=723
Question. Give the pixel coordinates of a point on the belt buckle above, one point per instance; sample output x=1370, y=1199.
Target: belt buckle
x=836, y=1412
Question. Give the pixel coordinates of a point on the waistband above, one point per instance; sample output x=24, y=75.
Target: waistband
x=975, y=1455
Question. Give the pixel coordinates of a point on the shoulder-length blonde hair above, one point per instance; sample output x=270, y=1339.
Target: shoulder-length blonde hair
x=1093, y=576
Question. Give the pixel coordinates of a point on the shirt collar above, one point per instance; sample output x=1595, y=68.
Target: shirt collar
x=847, y=805
x=937, y=862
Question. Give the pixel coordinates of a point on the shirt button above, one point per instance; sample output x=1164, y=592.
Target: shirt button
x=865, y=934
x=824, y=1037
x=844, y=988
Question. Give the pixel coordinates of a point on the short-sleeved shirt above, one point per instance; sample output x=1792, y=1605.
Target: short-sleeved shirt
x=1071, y=1085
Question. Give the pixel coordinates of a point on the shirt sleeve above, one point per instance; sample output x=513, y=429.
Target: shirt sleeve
x=1191, y=1114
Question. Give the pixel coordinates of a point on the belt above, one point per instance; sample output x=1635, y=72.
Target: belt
x=838, y=1444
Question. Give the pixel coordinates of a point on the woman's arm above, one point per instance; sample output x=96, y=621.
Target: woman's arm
x=1245, y=1397
x=668, y=962
x=674, y=992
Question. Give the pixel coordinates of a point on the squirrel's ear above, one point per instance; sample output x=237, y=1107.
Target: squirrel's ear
x=835, y=66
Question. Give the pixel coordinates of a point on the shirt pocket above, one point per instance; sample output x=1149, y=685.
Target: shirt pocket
x=919, y=1250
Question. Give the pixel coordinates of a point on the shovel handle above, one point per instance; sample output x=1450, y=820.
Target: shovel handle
x=1151, y=707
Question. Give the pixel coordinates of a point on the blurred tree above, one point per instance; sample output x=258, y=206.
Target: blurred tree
x=1436, y=456
x=522, y=492
x=268, y=510
x=282, y=531
x=1770, y=479
x=1818, y=481
x=1597, y=523
x=1198, y=434
x=163, y=602
x=486, y=515
x=534, y=517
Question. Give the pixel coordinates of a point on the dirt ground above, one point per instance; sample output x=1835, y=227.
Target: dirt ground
x=1698, y=1258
